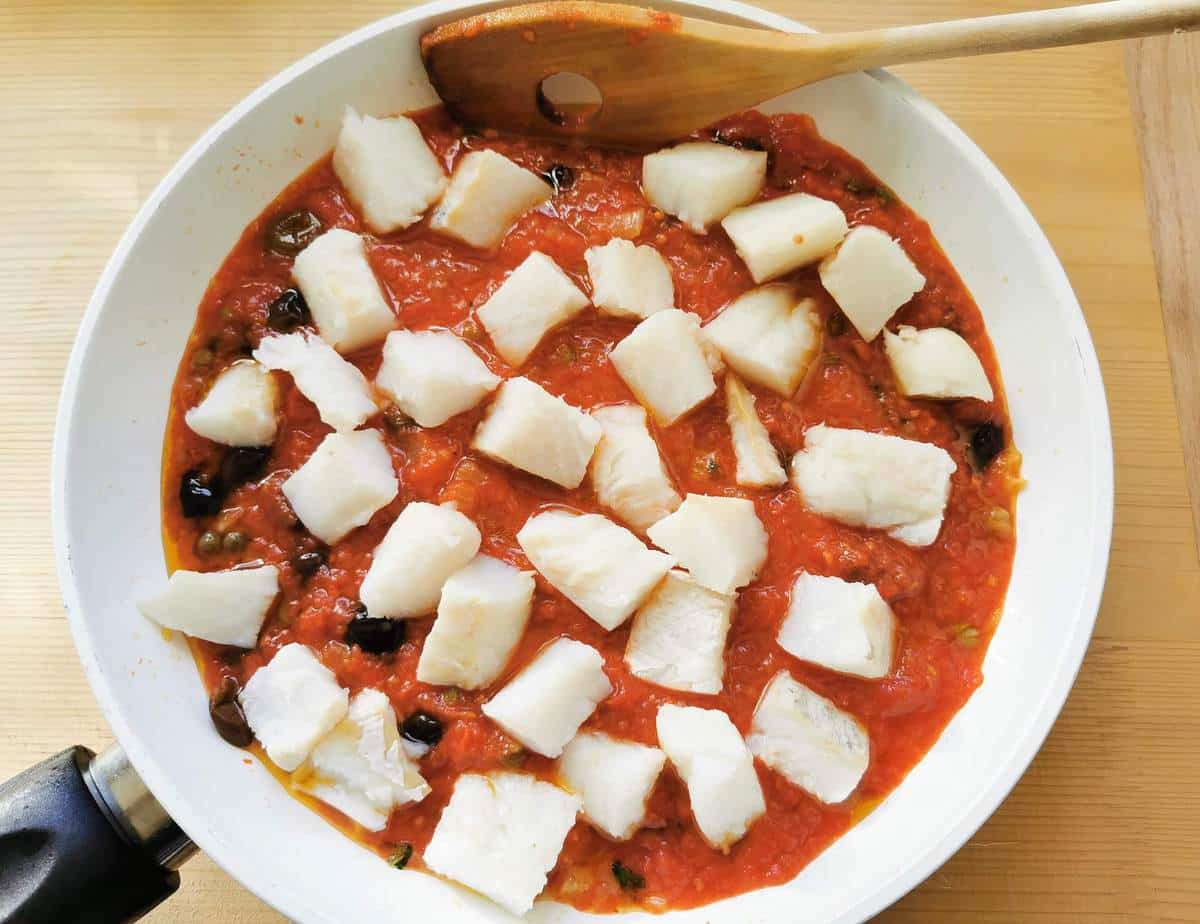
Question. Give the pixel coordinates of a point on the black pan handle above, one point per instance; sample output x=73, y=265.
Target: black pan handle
x=82, y=840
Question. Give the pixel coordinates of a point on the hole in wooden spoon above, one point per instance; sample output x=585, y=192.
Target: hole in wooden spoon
x=568, y=99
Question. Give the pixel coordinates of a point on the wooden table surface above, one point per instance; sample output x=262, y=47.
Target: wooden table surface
x=98, y=99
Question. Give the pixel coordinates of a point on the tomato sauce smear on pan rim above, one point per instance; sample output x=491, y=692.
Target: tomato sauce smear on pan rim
x=947, y=597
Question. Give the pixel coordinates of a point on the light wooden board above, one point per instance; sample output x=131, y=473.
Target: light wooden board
x=98, y=99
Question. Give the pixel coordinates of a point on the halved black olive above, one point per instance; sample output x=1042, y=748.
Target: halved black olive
x=423, y=728
x=227, y=716
x=199, y=495
x=243, y=464
x=290, y=233
x=307, y=563
x=560, y=176
x=746, y=144
x=987, y=442
x=374, y=635
x=288, y=311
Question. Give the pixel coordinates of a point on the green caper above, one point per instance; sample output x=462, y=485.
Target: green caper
x=234, y=541
x=202, y=358
x=208, y=542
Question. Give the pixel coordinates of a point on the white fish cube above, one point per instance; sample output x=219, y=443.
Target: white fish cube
x=783, y=234
x=483, y=612
x=388, y=169
x=425, y=545
x=335, y=386
x=678, y=636
x=225, y=607
x=936, y=363
x=720, y=540
x=342, y=484
x=870, y=276
x=668, y=364
x=845, y=627
x=808, y=739
x=239, y=409
x=875, y=480
x=629, y=281
x=536, y=297
x=601, y=567
x=614, y=779
x=345, y=298
x=291, y=703
x=701, y=182
x=628, y=474
x=758, y=464
x=360, y=768
x=501, y=835
x=714, y=763
x=531, y=429
x=433, y=375
x=544, y=705
x=769, y=336
x=486, y=196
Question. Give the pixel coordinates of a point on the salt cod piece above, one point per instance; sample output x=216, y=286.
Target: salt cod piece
x=483, y=612
x=501, y=834
x=486, y=196
x=875, y=480
x=292, y=703
x=701, y=182
x=425, y=545
x=360, y=768
x=239, y=409
x=432, y=375
x=720, y=540
x=845, y=627
x=668, y=364
x=535, y=298
x=809, y=740
x=388, y=169
x=936, y=363
x=225, y=607
x=678, y=636
x=783, y=234
x=342, y=484
x=544, y=705
x=758, y=463
x=614, y=778
x=714, y=763
x=335, y=386
x=531, y=429
x=346, y=301
x=629, y=281
x=769, y=336
x=870, y=276
x=628, y=474
x=601, y=567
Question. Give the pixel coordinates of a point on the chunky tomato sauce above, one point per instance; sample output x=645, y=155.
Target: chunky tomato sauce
x=946, y=597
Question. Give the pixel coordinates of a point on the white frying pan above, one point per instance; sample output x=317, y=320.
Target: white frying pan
x=61, y=859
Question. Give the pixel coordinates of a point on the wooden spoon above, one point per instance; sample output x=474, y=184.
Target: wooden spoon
x=662, y=76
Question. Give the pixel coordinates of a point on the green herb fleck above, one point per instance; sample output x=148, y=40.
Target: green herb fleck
x=451, y=695
x=966, y=635
x=881, y=192
x=627, y=878
x=514, y=757
x=400, y=856
x=565, y=353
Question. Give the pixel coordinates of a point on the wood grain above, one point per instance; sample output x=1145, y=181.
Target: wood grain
x=98, y=99
x=1164, y=85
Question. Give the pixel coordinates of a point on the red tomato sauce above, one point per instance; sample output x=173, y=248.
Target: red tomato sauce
x=946, y=597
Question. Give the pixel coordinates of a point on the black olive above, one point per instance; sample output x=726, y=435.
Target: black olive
x=199, y=495
x=560, y=176
x=227, y=716
x=288, y=311
x=987, y=442
x=746, y=144
x=289, y=234
x=243, y=464
x=307, y=563
x=374, y=635
x=422, y=727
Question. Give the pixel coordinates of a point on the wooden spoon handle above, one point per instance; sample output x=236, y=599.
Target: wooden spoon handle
x=1096, y=22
